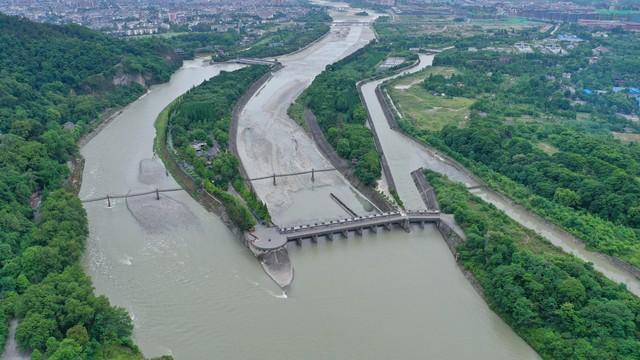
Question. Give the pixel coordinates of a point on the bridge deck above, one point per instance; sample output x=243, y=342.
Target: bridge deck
x=270, y=238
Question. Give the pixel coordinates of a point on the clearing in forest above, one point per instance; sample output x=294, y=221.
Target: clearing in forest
x=428, y=110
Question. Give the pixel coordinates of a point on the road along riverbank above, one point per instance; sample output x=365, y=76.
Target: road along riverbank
x=382, y=113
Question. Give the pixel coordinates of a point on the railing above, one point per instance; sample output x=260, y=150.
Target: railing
x=274, y=176
x=363, y=220
x=128, y=195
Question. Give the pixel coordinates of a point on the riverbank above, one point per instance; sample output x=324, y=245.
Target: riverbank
x=451, y=232
x=344, y=166
x=227, y=203
x=235, y=117
x=615, y=269
x=507, y=258
x=208, y=201
x=209, y=296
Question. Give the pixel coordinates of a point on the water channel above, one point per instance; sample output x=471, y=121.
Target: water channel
x=405, y=155
x=195, y=292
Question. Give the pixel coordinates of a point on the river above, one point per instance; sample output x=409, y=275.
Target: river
x=405, y=156
x=195, y=292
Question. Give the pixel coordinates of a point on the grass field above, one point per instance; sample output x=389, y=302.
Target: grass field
x=426, y=110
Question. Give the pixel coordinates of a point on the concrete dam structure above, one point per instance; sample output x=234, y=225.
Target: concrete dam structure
x=268, y=238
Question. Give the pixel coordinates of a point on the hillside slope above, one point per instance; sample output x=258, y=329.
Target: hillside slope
x=50, y=76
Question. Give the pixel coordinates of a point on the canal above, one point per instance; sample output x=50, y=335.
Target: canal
x=405, y=155
x=195, y=292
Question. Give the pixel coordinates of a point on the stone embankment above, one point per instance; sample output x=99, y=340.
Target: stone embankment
x=235, y=116
x=162, y=149
x=451, y=232
x=383, y=159
x=275, y=262
x=425, y=189
x=343, y=165
x=552, y=232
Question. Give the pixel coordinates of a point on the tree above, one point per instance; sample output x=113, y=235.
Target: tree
x=68, y=349
x=571, y=290
x=34, y=330
x=343, y=148
x=566, y=197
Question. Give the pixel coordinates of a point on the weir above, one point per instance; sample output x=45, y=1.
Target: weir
x=273, y=237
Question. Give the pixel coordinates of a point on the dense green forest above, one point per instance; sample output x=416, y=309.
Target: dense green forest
x=559, y=304
x=198, y=125
x=333, y=97
x=536, y=135
x=50, y=75
x=54, y=74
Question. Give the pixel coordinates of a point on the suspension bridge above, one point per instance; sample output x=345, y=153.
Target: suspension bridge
x=157, y=191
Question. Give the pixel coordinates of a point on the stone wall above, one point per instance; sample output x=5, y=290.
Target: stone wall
x=235, y=117
x=343, y=165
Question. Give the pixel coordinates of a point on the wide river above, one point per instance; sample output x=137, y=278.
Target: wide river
x=195, y=292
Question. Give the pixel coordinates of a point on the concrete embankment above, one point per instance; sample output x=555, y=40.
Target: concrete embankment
x=275, y=262
x=185, y=181
x=343, y=165
x=451, y=232
x=235, y=116
x=425, y=189
x=615, y=269
x=386, y=108
x=383, y=159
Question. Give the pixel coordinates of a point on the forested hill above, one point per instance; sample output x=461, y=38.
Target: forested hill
x=51, y=75
x=70, y=73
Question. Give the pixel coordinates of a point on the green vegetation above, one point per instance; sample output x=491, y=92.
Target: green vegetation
x=333, y=97
x=547, y=146
x=192, y=43
x=429, y=110
x=288, y=39
x=560, y=305
x=436, y=31
x=51, y=75
x=272, y=40
x=296, y=112
x=198, y=124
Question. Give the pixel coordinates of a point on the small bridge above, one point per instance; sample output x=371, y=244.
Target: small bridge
x=271, y=238
x=249, y=61
x=108, y=197
x=350, y=23
x=275, y=176
x=157, y=191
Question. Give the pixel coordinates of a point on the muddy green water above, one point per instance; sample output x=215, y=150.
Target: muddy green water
x=195, y=292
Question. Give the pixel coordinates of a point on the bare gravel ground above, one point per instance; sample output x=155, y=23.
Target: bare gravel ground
x=270, y=142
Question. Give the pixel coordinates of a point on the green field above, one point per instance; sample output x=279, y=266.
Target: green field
x=426, y=110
